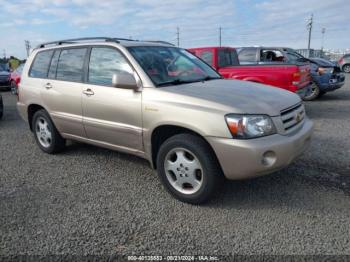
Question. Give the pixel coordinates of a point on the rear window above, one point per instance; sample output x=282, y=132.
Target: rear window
x=70, y=65
x=41, y=63
x=227, y=57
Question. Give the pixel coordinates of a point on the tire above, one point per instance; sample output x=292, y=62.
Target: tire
x=177, y=157
x=315, y=92
x=346, y=68
x=46, y=134
x=322, y=93
x=13, y=87
x=1, y=107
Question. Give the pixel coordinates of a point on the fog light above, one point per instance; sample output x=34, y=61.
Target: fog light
x=269, y=158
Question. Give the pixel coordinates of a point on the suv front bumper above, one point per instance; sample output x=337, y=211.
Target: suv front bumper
x=240, y=159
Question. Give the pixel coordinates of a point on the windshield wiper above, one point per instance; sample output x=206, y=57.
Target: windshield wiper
x=174, y=82
x=179, y=81
x=207, y=78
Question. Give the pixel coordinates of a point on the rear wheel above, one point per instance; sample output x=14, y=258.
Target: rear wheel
x=46, y=134
x=314, y=93
x=346, y=68
x=188, y=168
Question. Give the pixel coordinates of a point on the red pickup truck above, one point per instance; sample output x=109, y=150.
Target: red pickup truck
x=293, y=77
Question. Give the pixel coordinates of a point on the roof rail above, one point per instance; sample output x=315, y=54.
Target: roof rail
x=75, y=40
x=107, y=39
x=160, y=42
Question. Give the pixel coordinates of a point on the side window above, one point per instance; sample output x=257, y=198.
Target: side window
x=267, y=55
x=247, y=56
x=104, y=62
x=293, y=57
x=53, y=66
x=41, y=64
x=207, y=56
x=71, y=64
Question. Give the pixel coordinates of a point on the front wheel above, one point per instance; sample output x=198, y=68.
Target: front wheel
x=314, y=93
x=46, y=134
x=346, y=68
x=188, y=168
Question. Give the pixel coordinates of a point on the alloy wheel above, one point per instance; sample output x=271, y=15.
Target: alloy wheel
x=43, y=132
x=183, y=170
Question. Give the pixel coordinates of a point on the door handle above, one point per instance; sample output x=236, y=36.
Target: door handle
x=48, y=86
x=88, y=92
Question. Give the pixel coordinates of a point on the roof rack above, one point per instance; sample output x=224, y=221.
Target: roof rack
x=75, y=40
x=160, y=42
x=107, y=39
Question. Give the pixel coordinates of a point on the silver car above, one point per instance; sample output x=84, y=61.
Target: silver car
x=164, y=104
x=344, y=63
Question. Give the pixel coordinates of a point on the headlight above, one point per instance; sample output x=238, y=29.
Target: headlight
x=322, y=70
x=250, y=126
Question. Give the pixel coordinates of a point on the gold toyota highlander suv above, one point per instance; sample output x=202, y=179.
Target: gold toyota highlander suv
x=162, y=103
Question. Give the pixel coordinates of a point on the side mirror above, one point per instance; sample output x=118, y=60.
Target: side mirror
x=124, y=80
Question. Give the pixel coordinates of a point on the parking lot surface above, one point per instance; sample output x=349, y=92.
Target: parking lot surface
x=89, y=200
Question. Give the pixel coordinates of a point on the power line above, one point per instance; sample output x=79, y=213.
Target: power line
x=323, y=32
x=309, y=27
x=178, y=36
x=27, y=44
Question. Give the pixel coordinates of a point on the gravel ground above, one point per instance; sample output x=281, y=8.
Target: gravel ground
x=88, y=200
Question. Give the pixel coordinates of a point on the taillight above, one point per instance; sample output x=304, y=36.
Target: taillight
x=296, y=78
x=341, y=60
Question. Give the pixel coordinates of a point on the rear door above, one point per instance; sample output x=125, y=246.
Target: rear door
x=62, y=90
x=111, y=115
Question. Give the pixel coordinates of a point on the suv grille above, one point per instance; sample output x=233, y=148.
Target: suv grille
x=4, y=78
x=293, y=117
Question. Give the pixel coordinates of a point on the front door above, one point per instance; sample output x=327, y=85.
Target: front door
x=111, y=115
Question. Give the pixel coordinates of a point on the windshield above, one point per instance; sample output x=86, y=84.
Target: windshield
x=171, y=65
x=3, y=67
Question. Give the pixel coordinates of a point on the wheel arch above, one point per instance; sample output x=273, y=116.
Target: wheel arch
x=161, y=133
x=31, y=110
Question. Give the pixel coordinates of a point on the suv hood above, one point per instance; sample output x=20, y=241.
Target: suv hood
x=242, y=97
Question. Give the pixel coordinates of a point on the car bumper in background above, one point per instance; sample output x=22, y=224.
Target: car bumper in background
x=333, y=83
x=5, y=83
x=242, y=159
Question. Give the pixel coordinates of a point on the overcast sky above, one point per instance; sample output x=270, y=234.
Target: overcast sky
x=244, y=22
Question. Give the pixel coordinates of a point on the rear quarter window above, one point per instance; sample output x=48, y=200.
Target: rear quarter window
x=40, y=66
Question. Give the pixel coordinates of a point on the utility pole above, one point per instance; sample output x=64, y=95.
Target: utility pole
x=27, y=44
x=220, y=29
x=323, y=32
x=178, y=36
x=309, y=27
x=4, y=53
